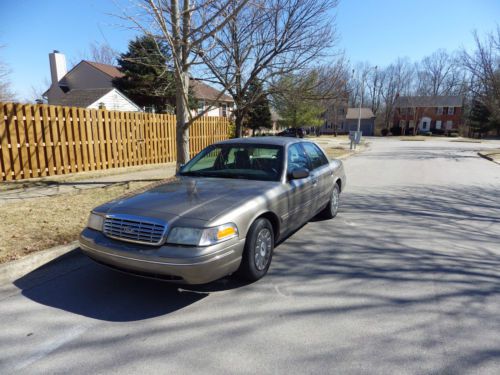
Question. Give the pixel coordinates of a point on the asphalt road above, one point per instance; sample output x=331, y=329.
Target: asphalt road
x=406, y=279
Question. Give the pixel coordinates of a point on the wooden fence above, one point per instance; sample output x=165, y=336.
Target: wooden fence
x=45, y=140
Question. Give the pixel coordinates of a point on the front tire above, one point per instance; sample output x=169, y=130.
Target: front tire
x=258, y=251
x=330, y=211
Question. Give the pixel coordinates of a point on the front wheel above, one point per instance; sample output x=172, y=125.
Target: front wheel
x=330, y=211
x=258, y=251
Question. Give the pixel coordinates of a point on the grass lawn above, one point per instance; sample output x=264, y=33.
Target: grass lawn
x=40, y=223
x=336, y=152
x=411, y=138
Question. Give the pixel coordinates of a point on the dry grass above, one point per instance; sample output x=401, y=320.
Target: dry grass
x=336, y=152
x=466, y=140
x=72, y=177
x=492, y=154
x=411, y=138
x=40, y=223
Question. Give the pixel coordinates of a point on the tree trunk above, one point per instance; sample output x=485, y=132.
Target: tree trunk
x=182, y=121
x=238, y=120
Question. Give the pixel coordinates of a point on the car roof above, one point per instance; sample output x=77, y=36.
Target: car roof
x=274, y=141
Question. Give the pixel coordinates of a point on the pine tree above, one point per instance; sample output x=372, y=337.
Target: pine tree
x=259, y=114
x=147, y=81
x=479, y=118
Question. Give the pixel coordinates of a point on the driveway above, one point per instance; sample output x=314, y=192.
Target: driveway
x=405, y=280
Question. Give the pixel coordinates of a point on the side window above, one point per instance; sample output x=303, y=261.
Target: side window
x=318, y=159
x=296, y=158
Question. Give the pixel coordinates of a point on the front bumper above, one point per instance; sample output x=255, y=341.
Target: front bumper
x=190, y=265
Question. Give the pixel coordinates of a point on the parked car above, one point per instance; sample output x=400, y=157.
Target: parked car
x=293, y=132
x=224, y=212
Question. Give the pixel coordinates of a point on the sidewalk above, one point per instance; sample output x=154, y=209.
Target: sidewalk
x=58, y=185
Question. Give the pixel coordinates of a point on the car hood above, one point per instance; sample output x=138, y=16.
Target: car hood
x=195, y=198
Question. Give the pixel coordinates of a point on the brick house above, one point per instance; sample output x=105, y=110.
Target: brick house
x=436, y=114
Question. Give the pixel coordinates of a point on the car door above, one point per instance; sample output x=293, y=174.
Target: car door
x=300, y=191
x=321, y=174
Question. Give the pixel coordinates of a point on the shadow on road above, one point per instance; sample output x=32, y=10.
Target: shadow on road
x=76, y=284
x=418, y=267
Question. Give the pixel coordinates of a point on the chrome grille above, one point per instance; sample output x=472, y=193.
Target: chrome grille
x=135, y=229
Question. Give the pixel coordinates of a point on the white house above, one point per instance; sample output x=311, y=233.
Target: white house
x=89, y=84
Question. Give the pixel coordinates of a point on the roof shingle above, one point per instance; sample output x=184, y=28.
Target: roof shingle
x=353, y=113
x=429, y=101
x=82, y=98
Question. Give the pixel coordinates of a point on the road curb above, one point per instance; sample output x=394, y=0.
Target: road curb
x=487, y=157
x=12, y=271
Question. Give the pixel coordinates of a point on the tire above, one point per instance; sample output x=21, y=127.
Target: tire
x=258, y=251
x=331, y=209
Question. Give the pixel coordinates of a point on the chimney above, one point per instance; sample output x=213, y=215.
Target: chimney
x=57, y=66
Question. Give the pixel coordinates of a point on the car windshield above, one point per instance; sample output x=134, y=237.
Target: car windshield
x=243, y=161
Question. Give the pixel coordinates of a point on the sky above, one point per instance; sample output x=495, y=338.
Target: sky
x=373, y=31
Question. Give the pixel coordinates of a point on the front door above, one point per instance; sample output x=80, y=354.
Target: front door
x=300, y=191
x=425, y=124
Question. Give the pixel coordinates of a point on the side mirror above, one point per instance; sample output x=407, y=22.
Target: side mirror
x=299, y=173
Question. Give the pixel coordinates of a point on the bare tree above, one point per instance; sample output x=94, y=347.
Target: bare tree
x=6, y=93
x=398, y=81
x=103, y=53
x=483, y=65
x=439, y=74
x=265, y=40
x=185, y=25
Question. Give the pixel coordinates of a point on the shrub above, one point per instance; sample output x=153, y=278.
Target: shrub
x=396, y=130
x=384, y=132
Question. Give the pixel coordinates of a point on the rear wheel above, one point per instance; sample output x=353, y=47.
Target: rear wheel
x=258, y=251
x=330, y=211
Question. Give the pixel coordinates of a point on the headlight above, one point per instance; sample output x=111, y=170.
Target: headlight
x=202, y=237
x=95, y=221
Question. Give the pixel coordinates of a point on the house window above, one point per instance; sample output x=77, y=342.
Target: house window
x=410, y=112
x=438, y=124
x=449, y=125
x=412, y=124
x=439, y=110
x=402, y=123
x=223, y=108
x=451, y=110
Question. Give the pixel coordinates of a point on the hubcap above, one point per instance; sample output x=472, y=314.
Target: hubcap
x=263, y=247
x=335, y=201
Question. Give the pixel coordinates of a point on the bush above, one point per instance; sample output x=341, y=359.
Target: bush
x=438, y=132
x=384, y=132
x=453, y=134
x=396, y=130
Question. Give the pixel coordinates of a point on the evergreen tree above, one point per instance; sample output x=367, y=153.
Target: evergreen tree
x=259, y=114
x=147, y=81
x=479, y=118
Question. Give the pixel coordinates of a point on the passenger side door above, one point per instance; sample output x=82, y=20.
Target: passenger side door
x=300, y=191
x=321, y=173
